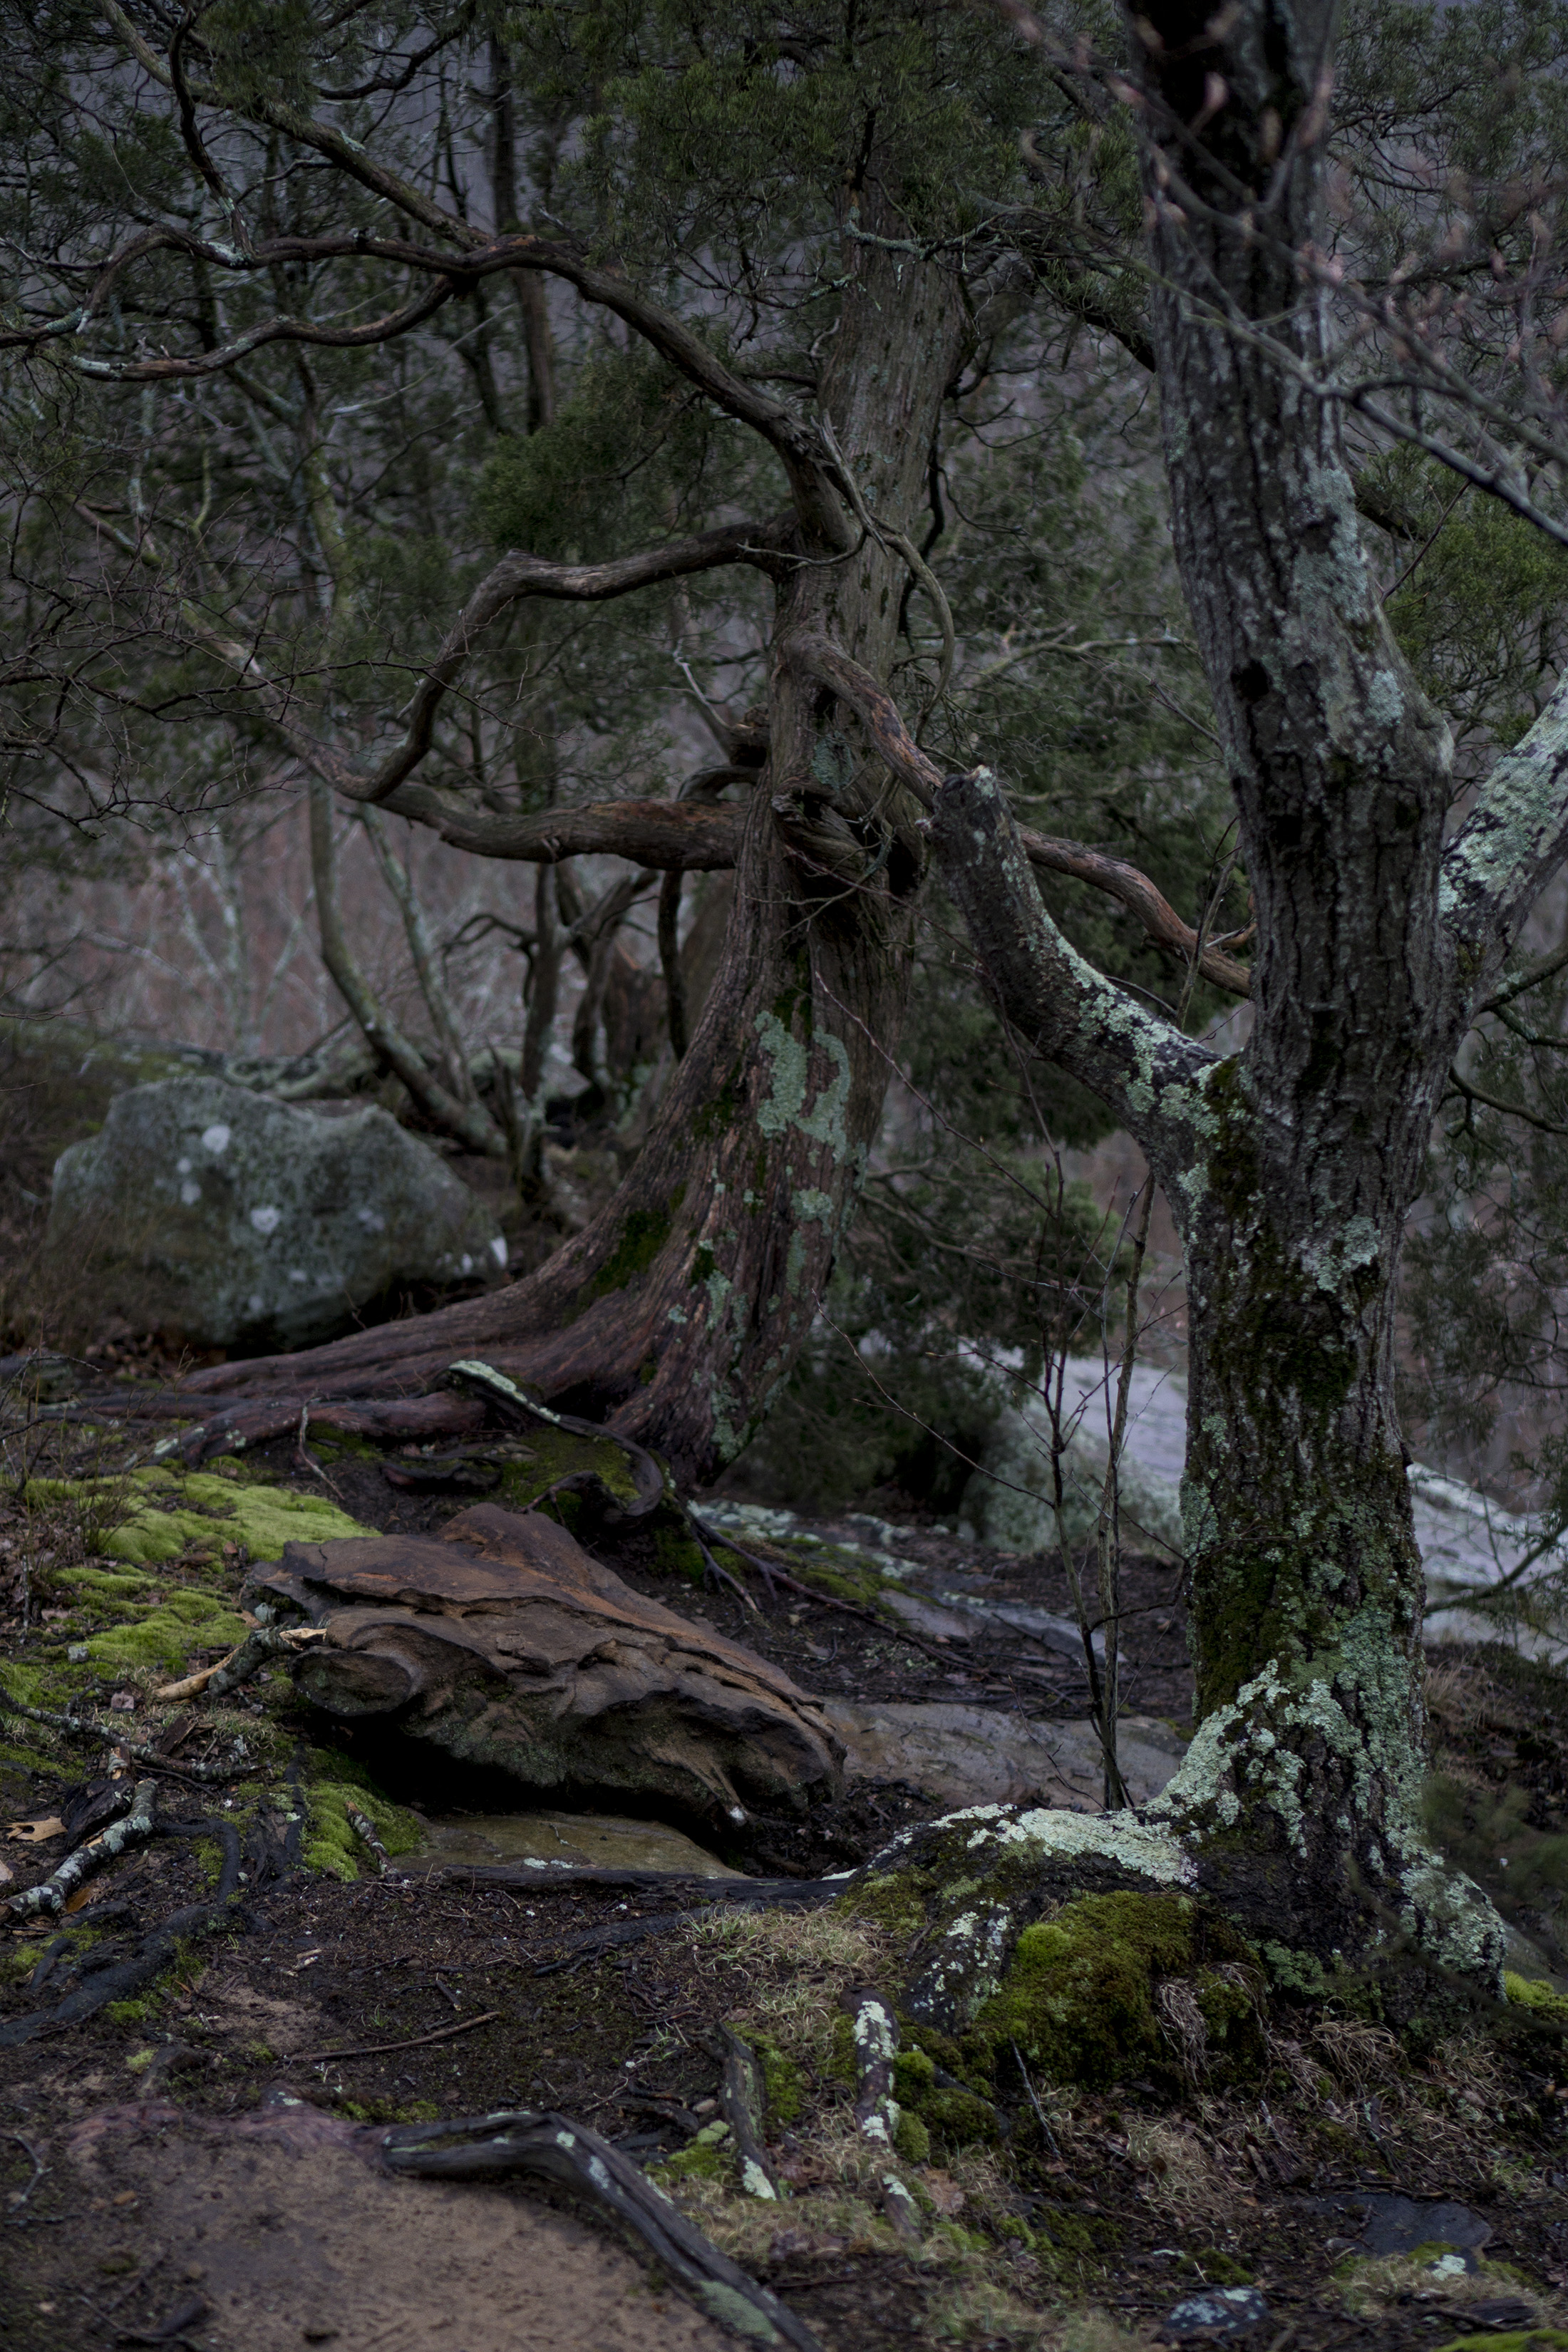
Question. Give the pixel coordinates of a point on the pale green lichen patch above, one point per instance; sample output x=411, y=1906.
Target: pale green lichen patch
x=783, y=1105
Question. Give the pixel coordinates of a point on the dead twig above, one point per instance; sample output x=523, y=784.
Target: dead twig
x=87, y=1727
x=1033, y=2102
x=40, y=2167
x=381, y=2049
x=119, y=1979
x=363, y=1829
x=262, y=1642
x=134, y=1829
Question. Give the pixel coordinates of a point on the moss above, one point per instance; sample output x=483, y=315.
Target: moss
x=677, y=1555
x=643, y=1234
x=131, y=2012
x=341, y=1444
x=157, y=1632
x=1078, y=1996
x=708, y=2156
x=1542, y=1999
x=914, y=2077
x=1527, y=2339
x=169, y=1514
x=890, y=1900
x=911, y=2139
x=1212, y=2264
x=840, y=2067
x=959, y=2120
x=330, y=1846
x=782, y=2081
x=552, y=1454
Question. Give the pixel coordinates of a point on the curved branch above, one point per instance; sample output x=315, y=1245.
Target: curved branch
x=918, y=773
x=518, y=576
x=1138, y=1063
x=1513, y=841
x=384, y=330
x=671, y=838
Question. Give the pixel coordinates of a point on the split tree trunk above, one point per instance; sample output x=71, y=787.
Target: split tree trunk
x=677, y=1314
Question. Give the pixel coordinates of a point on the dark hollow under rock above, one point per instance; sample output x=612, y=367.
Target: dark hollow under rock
x=509, y=1647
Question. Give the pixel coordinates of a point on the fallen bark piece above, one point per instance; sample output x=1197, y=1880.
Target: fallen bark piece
x=553, y=2148
x=506, y=1644
x=134, y=1829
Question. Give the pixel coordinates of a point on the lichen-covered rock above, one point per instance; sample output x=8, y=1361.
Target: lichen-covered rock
x=246, y=1224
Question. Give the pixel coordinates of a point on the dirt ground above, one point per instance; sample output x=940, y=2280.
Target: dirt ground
x=198, y=2165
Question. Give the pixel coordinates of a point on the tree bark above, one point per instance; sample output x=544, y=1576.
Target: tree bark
x=676, y=1315
x=1292, y=1166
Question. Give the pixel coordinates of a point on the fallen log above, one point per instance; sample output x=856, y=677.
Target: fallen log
x=505, y=1644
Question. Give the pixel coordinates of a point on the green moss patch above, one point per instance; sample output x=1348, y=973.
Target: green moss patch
x=171, y=1513
x=158, y=1632
x=548, y=1455
x=1081, y=1994
x=1529, y=1992
x=330, y=1846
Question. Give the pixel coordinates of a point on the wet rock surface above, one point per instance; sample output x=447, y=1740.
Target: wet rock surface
x=246, y=1224
x=510, y=1647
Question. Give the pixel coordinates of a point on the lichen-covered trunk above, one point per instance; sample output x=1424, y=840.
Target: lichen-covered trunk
x=677, y=1314
x=1301, y=1796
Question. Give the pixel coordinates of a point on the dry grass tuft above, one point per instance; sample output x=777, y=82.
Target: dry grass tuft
x=798, y=1965
x=1180, y=2174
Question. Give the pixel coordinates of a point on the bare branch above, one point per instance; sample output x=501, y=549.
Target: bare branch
x=1140, y=1064
x=518, y=576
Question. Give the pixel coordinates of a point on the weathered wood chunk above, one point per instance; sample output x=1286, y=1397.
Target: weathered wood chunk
x=506, y=1644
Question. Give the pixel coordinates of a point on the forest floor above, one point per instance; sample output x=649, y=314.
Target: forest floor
x=197, y=2164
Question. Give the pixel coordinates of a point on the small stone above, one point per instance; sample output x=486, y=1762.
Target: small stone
x=1220, y=2311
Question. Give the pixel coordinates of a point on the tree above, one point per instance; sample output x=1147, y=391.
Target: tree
x=1292, y=1165
x=285, y=193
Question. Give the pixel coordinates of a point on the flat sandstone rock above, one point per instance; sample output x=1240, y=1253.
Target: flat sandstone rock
x=507, y=1647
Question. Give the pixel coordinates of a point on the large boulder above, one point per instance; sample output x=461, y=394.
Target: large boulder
x=246, y=1224
x=507, y=1647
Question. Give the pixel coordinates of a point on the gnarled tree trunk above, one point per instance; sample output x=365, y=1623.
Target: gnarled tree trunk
x=678, y=1313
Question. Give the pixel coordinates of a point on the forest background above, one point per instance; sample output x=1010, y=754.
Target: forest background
x=325, y=507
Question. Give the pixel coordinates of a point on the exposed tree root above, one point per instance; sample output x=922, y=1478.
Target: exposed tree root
x=553, y=2148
